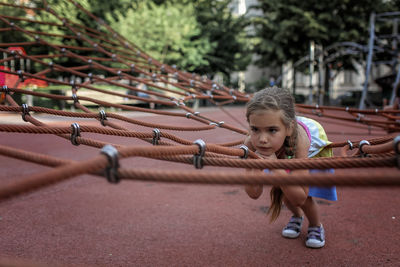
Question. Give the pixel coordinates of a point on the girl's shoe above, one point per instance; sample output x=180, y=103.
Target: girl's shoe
x=315, y=237
x=293, y=228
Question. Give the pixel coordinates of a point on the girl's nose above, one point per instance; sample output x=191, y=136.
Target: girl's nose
x=264, y=138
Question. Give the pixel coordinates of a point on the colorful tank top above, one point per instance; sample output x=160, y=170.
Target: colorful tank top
x=318, y=148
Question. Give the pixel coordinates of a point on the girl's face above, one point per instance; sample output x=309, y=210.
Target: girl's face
x=267, y=131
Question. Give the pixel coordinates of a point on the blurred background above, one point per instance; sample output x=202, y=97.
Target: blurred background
x=336, y=52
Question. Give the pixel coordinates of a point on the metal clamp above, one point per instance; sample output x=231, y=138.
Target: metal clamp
x=75, y=132
x=198, y=158
x=75, y=98
x=73, y=84
x=90, y=75
x=396, y=142
x=360, y=146
x=350, y=144
x=112, y=168
x=246, y=152
x=103, y=117
x=25, y=111
x=188, y=115
x=21, y=75
x=5, y=89
x=156, y=136
x=214, y=124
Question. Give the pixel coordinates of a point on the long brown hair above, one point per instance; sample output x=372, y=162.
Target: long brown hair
x=275, y=98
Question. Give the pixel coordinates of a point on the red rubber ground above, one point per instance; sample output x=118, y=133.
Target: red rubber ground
x=86, y=221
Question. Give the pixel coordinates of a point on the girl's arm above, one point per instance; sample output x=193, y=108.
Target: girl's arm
x=253, y=191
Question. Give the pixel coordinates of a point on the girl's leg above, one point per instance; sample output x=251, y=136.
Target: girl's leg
x=297, y=211
x=310, y=209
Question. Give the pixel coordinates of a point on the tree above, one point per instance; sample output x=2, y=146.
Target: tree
x=286, y=27
x=168, y=32
x=232, y=47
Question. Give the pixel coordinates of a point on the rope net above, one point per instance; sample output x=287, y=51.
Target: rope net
x=113, y=74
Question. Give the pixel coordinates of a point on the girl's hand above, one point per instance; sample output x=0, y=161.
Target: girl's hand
x=253, y=191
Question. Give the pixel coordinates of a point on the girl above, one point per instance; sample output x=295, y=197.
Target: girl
x=276, y=133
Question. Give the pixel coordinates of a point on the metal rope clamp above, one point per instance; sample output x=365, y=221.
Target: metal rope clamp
x=156, y=136
x=246, y=152
x=350, y=144
x=396, y=142
x=21, y=75
x=112, y=168
x=75, y=98
x=90, y=76
x=75, y=132
x=360, y=145
x=198, y=158
x=25, y=111
x=4, y=92
x=5, y=89
x=103, y=117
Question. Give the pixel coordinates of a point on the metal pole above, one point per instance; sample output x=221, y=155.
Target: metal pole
x=320, y=74
x=311, y=67
x=394, y=47
x=394, y=87
x=369, y=59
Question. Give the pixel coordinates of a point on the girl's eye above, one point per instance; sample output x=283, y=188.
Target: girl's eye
x=273, y=130
x=254, y=129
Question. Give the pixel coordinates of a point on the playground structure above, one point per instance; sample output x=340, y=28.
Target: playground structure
x=381, y=50
x=171, y=88
x=118, y=67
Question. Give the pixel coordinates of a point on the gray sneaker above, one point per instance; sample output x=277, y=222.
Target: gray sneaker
x=293, y=228
x=315, y=237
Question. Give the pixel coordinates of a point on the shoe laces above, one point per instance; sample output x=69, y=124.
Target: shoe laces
x=314, y=233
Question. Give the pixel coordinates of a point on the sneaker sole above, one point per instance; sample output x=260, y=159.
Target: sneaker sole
x=315, y=245
x=290, y=235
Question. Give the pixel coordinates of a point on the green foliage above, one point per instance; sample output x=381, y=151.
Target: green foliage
x=227, y=33
x=168, y=32
x=285, y=29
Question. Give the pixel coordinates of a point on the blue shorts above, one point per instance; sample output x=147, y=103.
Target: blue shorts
x=328, y=193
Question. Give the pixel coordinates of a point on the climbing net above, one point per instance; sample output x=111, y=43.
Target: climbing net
x=107, y=66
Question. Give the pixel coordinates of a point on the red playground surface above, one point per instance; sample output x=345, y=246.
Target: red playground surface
x=86, y=221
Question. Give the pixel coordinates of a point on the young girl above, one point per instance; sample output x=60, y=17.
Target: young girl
x=276, y=133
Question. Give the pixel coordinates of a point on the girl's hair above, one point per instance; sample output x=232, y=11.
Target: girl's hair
x=275, y=98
